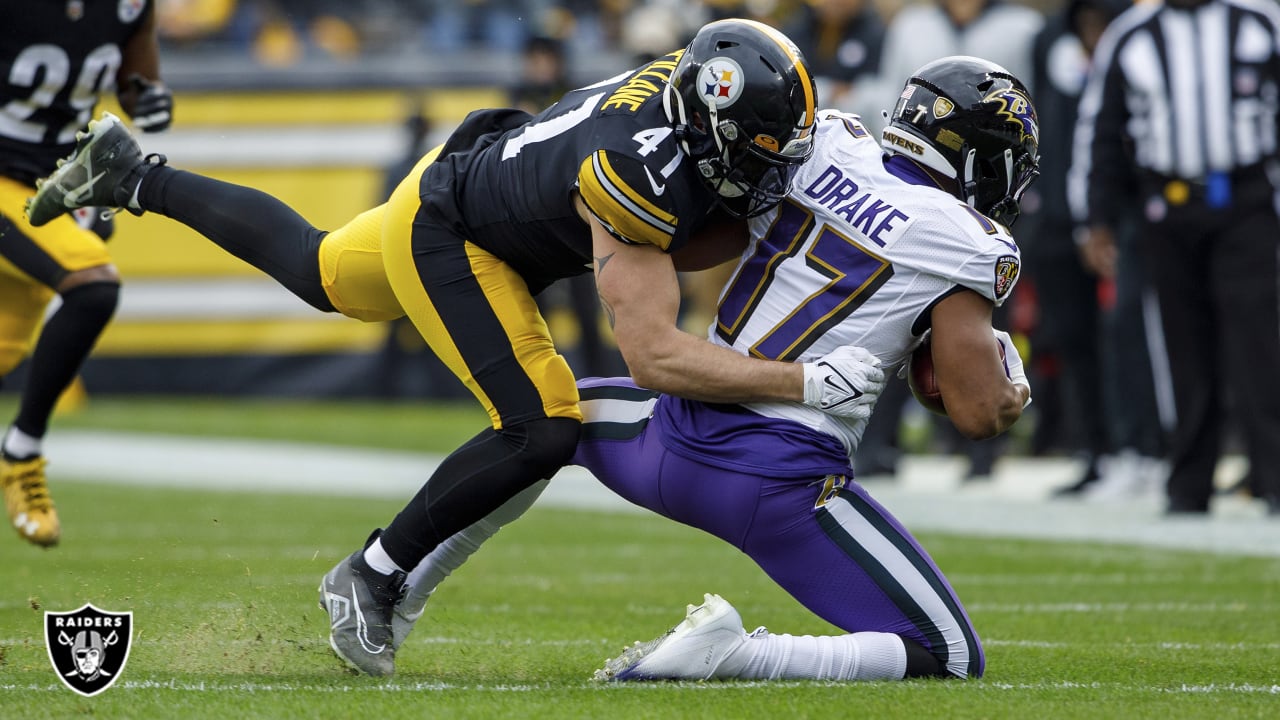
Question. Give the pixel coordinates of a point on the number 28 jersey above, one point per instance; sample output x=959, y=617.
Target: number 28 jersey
x=855, y=256
x=57, y=57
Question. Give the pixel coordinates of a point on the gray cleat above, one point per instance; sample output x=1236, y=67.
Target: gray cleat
x=360, y=602
x=104, y=170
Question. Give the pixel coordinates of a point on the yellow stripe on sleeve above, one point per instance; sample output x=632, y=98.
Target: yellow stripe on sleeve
x=631, y=194
x=617, y=209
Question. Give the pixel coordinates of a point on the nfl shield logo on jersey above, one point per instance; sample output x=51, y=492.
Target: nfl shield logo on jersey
x=88, y=647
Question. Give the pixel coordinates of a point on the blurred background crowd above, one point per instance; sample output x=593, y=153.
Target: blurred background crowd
x=318, y=99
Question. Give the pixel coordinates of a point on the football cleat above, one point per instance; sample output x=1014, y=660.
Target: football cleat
x=26, y=497
x=360, y=603
x=104, y=170
x=696, y=649
x=403, y=619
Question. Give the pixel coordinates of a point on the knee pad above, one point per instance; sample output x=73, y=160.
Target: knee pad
x=544, y=445
x=92, y=303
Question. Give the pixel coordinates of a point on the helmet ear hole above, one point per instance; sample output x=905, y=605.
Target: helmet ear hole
x=738, y=80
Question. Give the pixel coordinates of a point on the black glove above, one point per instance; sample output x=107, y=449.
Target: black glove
x=153, y=106
x=99, y=221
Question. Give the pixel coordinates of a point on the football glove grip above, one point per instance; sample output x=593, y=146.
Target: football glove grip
x=845, y=382
x=99, y=221
x=153, y=108
x=1013, y=362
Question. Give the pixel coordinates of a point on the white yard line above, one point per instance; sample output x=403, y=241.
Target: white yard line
x=398, y=687
x=927, y=496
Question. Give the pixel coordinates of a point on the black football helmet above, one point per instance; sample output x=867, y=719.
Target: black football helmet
x=743, y=103
x=972, y=121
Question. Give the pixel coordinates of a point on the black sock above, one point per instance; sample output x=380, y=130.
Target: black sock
x=475, y=480
x=247, y=223
x=65, y=342
x=922, y=663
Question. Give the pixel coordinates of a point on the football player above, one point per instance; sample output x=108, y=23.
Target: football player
x=877, y=244
x=616, y=176
x=56, y=60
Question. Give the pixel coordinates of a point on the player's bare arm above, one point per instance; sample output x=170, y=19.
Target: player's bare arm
x=981, y=400
x=714, y=245
x=641, y=294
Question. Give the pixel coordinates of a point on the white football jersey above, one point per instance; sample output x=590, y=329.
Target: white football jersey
x=855, y=256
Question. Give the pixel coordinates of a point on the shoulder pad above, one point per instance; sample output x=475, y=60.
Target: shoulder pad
x=630, y=198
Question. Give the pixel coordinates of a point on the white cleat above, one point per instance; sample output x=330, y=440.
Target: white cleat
x=696, y=649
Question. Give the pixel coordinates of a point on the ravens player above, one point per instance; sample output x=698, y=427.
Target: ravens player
x=56, y=60
x=617, y=176
x=878, y=243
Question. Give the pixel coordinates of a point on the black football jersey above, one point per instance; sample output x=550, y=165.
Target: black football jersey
x=612, y=143
x=57, y=57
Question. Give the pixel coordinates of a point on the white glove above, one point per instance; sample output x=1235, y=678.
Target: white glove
x=844, y=382
x=1013, y=362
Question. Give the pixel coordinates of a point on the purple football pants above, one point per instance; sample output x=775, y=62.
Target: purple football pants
x=826, y=541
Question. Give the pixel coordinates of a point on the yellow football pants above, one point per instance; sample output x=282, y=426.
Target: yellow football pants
x=474, y=311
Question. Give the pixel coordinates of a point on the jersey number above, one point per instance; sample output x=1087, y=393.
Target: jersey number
x=96, y=76
x=551, y=127
x=853, y=275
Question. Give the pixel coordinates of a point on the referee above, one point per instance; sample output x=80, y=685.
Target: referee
x=1181, y=105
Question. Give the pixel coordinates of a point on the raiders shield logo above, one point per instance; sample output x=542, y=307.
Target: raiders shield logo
x=88, y=647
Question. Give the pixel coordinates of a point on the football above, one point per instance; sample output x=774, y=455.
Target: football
x=923, y=383
x=920, y=377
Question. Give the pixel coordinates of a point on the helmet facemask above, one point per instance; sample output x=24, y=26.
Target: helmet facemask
x=749, y=178
x=1002, y=183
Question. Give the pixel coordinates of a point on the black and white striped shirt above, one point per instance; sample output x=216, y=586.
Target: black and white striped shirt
x=1178, y=93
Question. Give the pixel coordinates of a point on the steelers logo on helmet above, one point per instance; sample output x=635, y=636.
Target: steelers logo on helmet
x=720, y=82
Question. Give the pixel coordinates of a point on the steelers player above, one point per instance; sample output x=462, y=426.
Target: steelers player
x=617, y=176
x=56, y=60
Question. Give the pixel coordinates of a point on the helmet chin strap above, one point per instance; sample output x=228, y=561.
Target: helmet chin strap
x=673, y=106
x=969, y=185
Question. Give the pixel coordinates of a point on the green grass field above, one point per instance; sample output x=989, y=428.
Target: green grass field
x=222, y=587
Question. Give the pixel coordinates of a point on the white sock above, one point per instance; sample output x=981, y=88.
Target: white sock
x=379, y=560
x=20, y=445
x=855, y=656
x=453, y=552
